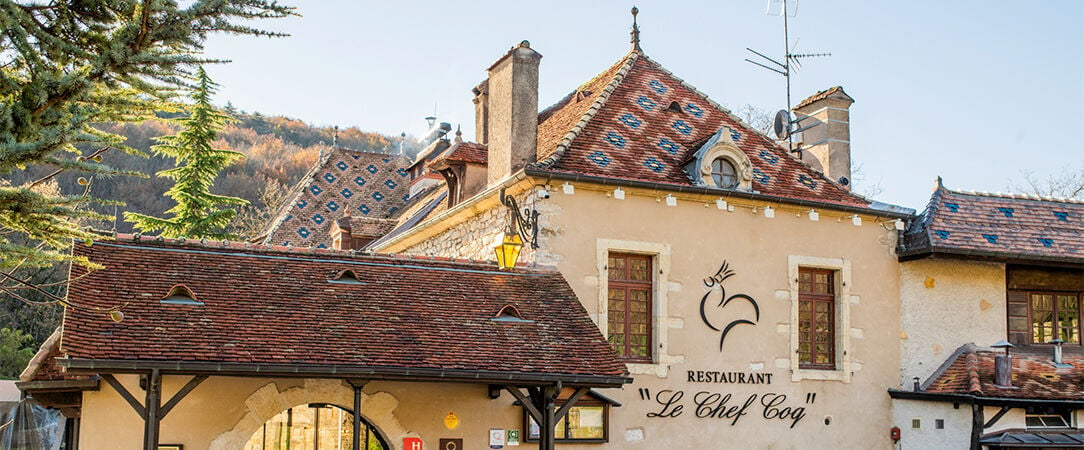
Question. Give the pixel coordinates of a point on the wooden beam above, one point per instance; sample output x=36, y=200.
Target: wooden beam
x=188, y=387
x=993, y=420
x=138, y=407
x=527, y=403
x=570, y=402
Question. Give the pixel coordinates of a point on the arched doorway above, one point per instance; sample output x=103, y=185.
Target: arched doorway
x=315, y=426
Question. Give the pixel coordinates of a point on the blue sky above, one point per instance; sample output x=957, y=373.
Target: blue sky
x=976, y=92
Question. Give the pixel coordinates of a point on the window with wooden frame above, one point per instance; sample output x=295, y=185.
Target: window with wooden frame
x=816, y=319
x=629, y=305
x=588, y=421
x=1055, y=315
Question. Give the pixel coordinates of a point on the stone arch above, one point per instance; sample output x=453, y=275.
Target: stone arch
x=267, y=401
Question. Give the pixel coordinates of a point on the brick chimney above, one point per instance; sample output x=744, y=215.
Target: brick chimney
x=510, y=119
x=828, y=145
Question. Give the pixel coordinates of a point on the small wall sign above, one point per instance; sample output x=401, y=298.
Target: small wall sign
x=412, y=443
x=496, y=438
x=513, y=438
x=451, y=421
x=451, y=444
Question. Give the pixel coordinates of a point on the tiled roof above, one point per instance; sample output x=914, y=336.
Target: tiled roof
x=276, y=306
x=821, y=95
x=42, y=367
x=620, y=125
x=366, y=184
x=1009, y=226
x=470, y=152
x=970, y=370
x=369, y=226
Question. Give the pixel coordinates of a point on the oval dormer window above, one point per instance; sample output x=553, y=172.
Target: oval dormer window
x=723, y=173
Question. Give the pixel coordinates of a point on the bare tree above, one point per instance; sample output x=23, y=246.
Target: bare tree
x=1067, y=184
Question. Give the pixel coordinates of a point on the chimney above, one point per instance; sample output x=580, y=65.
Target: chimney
x=1003, y=366
x=481, y=112
x=827, y=146
x=511, y=124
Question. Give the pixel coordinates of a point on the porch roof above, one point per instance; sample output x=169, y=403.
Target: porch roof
x=278, y=311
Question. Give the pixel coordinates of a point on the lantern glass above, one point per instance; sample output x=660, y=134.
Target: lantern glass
x=508, y=251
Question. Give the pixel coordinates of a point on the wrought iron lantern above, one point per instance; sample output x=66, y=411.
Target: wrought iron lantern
x=520, y=225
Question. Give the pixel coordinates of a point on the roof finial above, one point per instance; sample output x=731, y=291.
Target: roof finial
x=635, y=31
x=458, y=135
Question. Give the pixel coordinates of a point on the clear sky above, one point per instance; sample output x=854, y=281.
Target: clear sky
x=974, y=91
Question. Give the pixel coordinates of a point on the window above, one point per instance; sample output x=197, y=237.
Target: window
x=1047, y=417
x=587, y=421
x=820, y=318
x=1055, y=315
x=723, y=173
x=816, y=319
x=629, y=305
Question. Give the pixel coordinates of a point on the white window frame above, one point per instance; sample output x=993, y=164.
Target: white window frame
x=661, y=322
x=844, y=364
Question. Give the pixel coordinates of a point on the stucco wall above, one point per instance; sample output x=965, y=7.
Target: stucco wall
x=946, y=304
x=223, y=412
x=698, y=238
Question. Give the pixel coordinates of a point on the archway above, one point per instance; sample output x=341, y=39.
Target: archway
x=315, y=426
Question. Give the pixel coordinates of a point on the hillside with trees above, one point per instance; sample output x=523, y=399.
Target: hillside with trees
x=277, y=151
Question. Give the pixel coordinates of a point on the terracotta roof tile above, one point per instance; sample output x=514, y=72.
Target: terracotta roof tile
x=1012, y=226
x=275, y=306
x=470, y=152
x=366, y=184
x=623, y=128
x=1034, y=375
x=821, y=95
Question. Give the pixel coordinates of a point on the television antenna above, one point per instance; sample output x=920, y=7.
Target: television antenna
x=784, y=124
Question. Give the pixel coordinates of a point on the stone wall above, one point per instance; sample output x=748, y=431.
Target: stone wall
x=475, y=237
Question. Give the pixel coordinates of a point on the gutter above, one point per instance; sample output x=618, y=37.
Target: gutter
x=900, y=213
x=921, y=253
x=345, y=372
x=980, y=400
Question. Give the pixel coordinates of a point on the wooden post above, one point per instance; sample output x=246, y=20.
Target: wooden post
x=546, y=437
x=153, y=404
x=977, y=423
x=356, y=439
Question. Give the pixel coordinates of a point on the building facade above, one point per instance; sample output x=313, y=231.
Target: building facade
x=989, y=277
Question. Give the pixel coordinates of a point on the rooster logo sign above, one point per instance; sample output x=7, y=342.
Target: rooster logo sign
x=720, y=276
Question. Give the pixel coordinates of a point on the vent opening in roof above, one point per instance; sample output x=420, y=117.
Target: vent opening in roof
x=674, y=107
x=347, y=276
x=510, y=313
x=180, y=295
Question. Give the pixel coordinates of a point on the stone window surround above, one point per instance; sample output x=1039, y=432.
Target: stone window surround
x=844, y=363
x=661, y=322
x=743, y=168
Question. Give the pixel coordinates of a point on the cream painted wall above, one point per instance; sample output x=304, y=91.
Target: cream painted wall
x=223, y=412
x=955, y=435
x=946, y=304
x=700, y=237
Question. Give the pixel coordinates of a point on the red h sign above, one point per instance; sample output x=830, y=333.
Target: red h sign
x=412, y=443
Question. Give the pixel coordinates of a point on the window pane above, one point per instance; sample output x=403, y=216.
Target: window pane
x=587, y=422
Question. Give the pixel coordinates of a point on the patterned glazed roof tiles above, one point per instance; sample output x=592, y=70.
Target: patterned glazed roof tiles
x=275, y=305
x=345, y=181
x=637, y=121
x=1011, y=226
x=970, y=370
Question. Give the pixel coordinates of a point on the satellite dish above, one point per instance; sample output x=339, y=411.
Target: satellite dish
x=781, y=124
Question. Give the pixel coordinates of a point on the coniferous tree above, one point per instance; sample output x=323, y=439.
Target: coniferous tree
x=198, y=213
x=65, y=66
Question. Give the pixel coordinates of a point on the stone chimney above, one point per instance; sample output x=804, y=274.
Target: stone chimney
x=481, y=112
x=828, y=144
x=511, y=117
